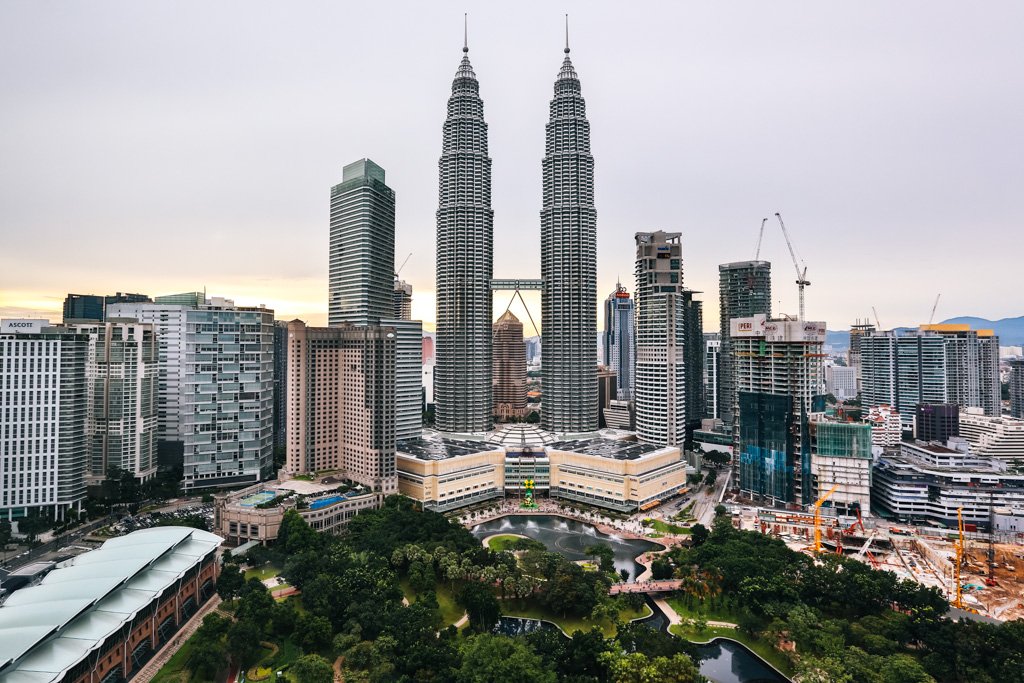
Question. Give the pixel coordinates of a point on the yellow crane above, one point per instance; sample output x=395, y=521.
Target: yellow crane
x=817, y=518
x=958, y=590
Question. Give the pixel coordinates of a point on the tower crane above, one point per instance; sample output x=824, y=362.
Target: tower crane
x=399, y=269
x=817, y=518
x=760, y=236
x=877, y=321
x=801, y=275
x=936, y=305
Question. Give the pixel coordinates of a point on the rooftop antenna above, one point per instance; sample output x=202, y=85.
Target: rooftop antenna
x=465, y=32
x=566, y=34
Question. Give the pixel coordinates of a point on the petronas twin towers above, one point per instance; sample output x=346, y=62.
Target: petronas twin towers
x=465, y=261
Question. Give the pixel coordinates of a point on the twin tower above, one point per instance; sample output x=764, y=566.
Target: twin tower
x=465, y=262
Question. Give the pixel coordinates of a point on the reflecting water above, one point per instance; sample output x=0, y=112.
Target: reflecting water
x=568, y=538
x=518, y=626
x=726, y=661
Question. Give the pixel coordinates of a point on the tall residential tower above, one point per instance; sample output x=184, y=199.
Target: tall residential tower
x=465, y=261
x=619, y=340
x=568, y=263
x=744, y=290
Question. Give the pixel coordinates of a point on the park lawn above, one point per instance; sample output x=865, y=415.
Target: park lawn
x=667, y=528
x=764, y=649
x=533, y=610
x=502, y=542
x=267, y=571
x=175, y=670
x=701, y=609
x=450, y=610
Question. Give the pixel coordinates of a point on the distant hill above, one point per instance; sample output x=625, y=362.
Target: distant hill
x=1009, y=330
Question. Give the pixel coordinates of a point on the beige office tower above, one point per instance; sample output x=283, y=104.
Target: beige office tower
x=341, y=403
x=509, y=363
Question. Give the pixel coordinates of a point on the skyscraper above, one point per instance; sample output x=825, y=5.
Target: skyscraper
x=568, y=263
x=661, y=329
x=362, y=246
x=280, y=383
x=744, y=290
x=401, y=300
x=619, y=340
x=1017, y=388
x=509, y=367
x=93, y=308
x=712, y=355
x=465, y=259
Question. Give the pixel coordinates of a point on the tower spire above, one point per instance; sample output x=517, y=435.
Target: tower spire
x=566, y=34
x=465, y=32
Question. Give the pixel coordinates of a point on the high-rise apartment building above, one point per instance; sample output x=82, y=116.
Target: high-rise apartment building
x=122, y=398
x=693, y=358
x=401, y=300
x=607, y=389
x=43, y=406
x=568, y=246
x=228, y=398
x=712, y=355
x=280, y=383
x=779, y=381
x=1017, y=388
x=408, y=358
x=509, y=367
x=362, y=246
x=935, y=364
x=661, y=332
x=465, y=263
x=841, y=381
x=619, y=340
x=857, y=331
x=341, y=403
x=886, y=426
x=168, y=321
x=744, y=290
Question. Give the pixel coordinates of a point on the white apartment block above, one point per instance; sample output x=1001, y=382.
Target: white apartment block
x=43, y=410
x=993, y=437
x=121, y=375
x=886, y=426
x=841, y=381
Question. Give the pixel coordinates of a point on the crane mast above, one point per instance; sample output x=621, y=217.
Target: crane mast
x=801, y=276
x=760, y=236
x=817, y=518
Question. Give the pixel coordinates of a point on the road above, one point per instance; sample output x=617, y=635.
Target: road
x=57, y=543
x=707, y=500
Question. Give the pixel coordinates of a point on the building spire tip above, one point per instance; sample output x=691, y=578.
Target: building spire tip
x=566, y=34
x=465, y=32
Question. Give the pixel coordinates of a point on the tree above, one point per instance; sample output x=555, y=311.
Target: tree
x=636, y=668
x=256, y=603
x=533, y=418
x=230, y=582
x=312, y=669
x=481, y=606
x=699, y=534
x=624, y=574
x=5, y=532
x=711, y=478
x=603, y=553
x=313, y=632
x=498, y=659
x=720, y=510
x=283, y=618
x=661, y=569
x=208, y=653
x=295, y=536
x=244, y=642
x=717, y=457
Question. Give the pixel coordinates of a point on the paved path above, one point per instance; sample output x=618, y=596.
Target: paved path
x=664, y=586
x=172, y=646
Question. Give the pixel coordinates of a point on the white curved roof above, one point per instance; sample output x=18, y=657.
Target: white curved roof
x=48, y=628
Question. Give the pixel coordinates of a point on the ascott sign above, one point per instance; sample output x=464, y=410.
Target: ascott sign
x=22, y=325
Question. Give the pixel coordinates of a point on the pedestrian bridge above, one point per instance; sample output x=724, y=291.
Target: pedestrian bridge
x=663, y=586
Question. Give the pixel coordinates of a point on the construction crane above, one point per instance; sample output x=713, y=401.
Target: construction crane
x=817, y=518
x=801, y=275
x=958, y=590
x=877, y=321
x=760, y=236
x=399, y=270
x=932, y=316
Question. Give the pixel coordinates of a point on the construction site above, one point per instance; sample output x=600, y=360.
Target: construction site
x=990, y=577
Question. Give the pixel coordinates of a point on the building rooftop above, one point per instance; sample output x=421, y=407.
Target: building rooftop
x=47, y=629
x=436, y=447
x=607, y=448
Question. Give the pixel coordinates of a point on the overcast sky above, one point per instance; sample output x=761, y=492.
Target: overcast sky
x=160, y=147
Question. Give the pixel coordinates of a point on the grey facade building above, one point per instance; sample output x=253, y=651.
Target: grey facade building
x=619, y=340
x=93, y=308
x=280, y=383
x=712, y=355
x=408, y=357
x=362, y=246
x=744, y=290
x=936, y=422
x=228, y=398
x=568, y=263
x=1017, y=388
x=401, y=299
x=465, y=263
x=43, y=446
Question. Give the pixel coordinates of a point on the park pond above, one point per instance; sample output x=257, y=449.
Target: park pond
x=569, y=538
x=721, y=660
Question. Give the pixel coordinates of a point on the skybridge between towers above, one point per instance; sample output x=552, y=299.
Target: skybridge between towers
x=516, y=284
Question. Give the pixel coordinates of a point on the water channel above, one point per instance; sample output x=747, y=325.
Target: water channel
x=722, y=661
